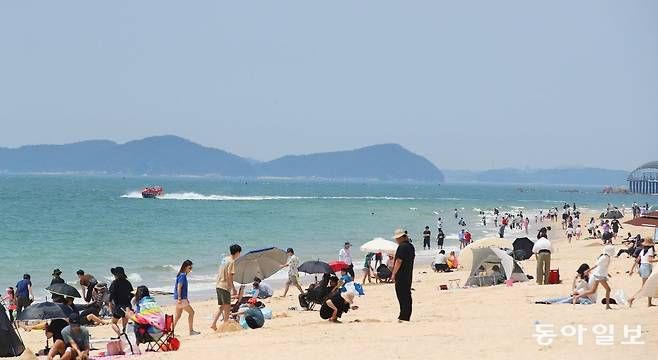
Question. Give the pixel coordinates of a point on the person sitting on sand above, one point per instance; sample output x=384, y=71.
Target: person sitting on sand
x=252, y=314
x=74, y=343
x=581, y=283
x=261, y=290
x=148, y=316
x=337, y=305
x=440, y=262
x=90, y=314
x=383, y=274
x=601, y=276
x=452, y=262
x=644, y=261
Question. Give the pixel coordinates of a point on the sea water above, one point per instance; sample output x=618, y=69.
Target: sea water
x=94, y=223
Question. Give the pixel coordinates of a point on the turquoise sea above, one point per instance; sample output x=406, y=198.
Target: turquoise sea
x=95, y=223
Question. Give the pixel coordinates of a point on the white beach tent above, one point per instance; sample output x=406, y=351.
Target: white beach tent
x=380, y=245
x=485, y=259
x=466, y=254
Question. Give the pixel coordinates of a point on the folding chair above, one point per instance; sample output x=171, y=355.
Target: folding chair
x=162, y=344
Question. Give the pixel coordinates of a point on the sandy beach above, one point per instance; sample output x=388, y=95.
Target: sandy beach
x=493, y=322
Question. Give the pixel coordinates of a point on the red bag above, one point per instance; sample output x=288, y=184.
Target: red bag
x=554, y=276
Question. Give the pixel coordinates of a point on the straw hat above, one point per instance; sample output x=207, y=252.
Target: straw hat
x=399, y=233
x=647, y=242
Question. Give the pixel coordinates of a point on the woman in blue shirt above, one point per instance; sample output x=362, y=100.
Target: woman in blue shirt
x=180, y=295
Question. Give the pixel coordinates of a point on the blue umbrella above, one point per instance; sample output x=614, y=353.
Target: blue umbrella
x=261, y=263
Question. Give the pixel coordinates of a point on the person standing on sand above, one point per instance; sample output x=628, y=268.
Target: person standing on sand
x=180, y=295
x=461, y=239
x=293, y=273
x=526, y=222
x=439, y=224
x=542, y=250
x=427, y=235
x=403, y=273
x=467, y=238
x=225, y=286
x=644, y=261
x=345, y=255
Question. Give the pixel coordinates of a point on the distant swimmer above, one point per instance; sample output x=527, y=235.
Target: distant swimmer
x=456, y=213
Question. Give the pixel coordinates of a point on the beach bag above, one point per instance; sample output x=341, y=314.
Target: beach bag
x=114, y=347
x=129, y=341
x=554, y=276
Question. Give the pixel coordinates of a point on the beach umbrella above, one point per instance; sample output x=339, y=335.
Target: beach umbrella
x=466, y=255
x=261, y=263
x=338, y=265
x=65, y=290
x=523, y=244
x=380, y=245
x=612, y=214
x=44, y=311
x=315, y=267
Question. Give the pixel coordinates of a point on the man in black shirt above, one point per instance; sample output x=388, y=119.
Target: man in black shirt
x=57, y=280
x=403, y=273
x=426, y=238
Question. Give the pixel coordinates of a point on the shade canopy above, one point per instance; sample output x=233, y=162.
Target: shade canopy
x=380, y=245
x=261, y=263
x=65, y=290
x=647, y=220
x=45, y=311
x=315, y=267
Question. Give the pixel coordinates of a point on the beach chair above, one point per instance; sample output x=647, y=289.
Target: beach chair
x=164, y=342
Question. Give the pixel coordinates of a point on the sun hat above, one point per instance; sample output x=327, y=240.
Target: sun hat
x=647, y=242
x=101, y=285
x=399, y=233
x=57, y=272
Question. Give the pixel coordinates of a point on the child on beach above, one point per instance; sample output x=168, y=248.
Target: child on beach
x=601, y=276
x=570, y=233
x=180, y=295
x=10, y=303
x=579, y=232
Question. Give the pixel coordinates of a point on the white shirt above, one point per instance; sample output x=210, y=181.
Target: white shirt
x=578, y=231
x=439, y=224
x=542, y=244
x=602, y=265
x=570, y=231
x=644, y=257
x=440, y=259
x=345, y=255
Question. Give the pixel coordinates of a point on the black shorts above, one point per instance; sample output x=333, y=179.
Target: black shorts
x=378, y=257
x=119, y=311
x=252, y=322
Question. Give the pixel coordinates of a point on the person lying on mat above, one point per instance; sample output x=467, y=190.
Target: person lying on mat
x=252, y=314
x=581, y=284
x=339, y=303
x=74, y=343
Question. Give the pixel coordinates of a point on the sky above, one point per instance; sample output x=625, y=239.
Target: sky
x=467, y=84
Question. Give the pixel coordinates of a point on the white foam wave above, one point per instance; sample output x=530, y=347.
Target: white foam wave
x=197, y=196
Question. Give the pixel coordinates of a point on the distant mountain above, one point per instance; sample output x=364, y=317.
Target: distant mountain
x=562, y=176
x=384, y=162
x=172, y=155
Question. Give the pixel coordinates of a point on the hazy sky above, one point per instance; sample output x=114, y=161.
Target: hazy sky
x=468, y=84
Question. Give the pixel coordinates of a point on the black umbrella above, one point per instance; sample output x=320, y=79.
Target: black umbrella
x=315, y=267
x=44, y=311
x=522, y=248
x=65, y=290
